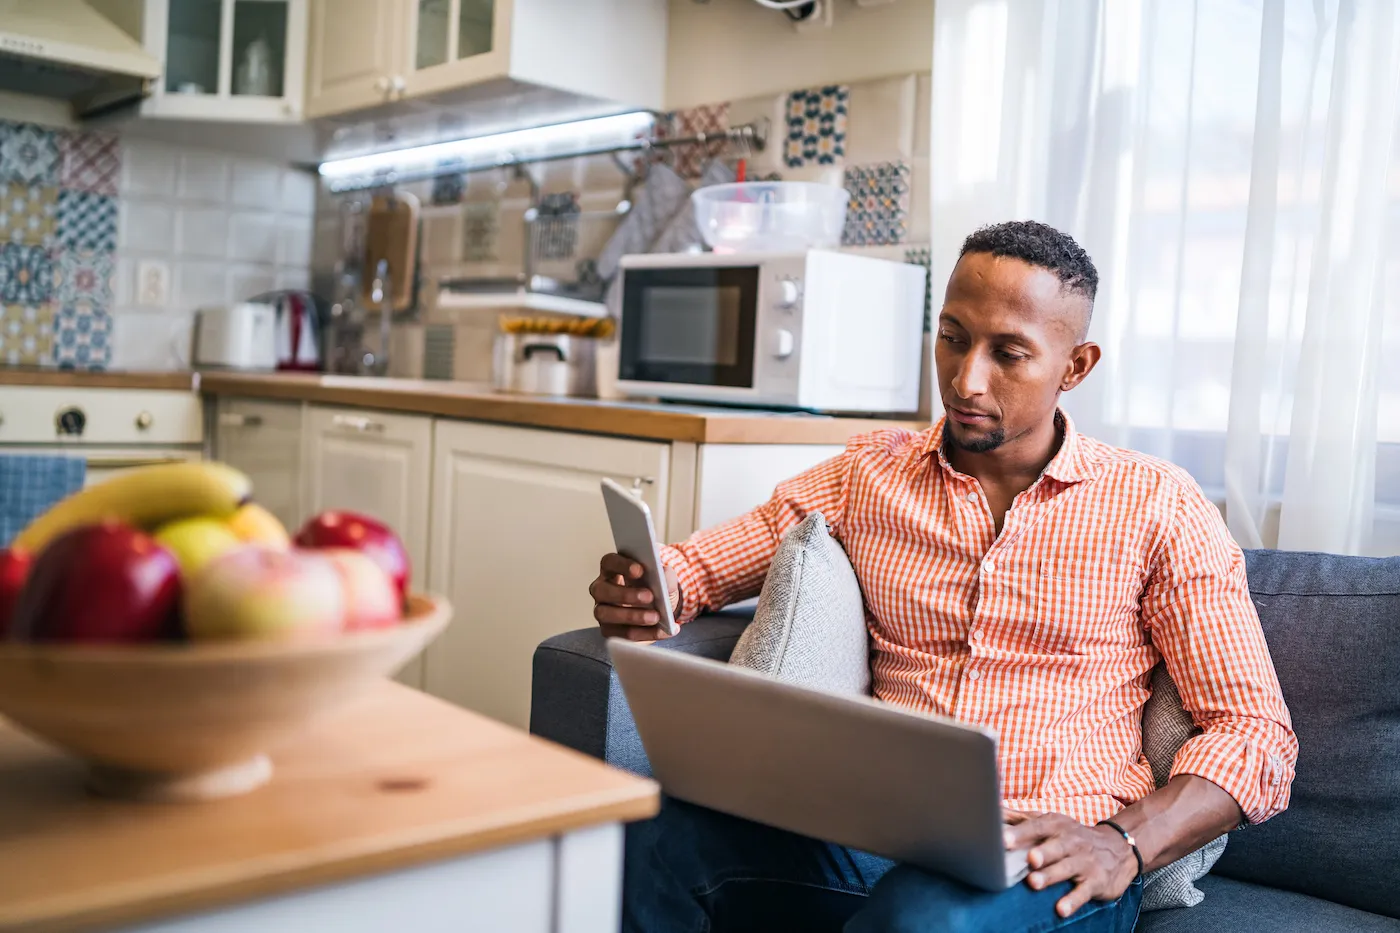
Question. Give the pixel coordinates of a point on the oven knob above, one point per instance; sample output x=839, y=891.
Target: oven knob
x=71, y=421
x=144, y=421
x=788, y=294
x=783, y=343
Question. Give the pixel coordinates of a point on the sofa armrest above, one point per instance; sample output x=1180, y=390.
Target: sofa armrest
x=576, y=700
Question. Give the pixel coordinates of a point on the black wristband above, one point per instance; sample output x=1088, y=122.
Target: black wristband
x=1132, y=843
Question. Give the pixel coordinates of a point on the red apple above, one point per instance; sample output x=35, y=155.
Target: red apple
x=371, y=601
x=14, y=568
x=335, y=529
x=99, y=583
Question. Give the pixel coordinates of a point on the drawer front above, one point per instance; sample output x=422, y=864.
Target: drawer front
x=31, y=415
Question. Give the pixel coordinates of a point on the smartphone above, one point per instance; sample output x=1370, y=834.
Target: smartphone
x=634, y=537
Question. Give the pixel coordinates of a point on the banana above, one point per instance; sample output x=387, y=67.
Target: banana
x=144, y=497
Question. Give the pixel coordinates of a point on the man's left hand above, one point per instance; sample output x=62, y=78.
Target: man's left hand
x=1098, y=860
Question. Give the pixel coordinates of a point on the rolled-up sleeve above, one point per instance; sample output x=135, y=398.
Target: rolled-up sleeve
x=727, y=563
x=1200, y=616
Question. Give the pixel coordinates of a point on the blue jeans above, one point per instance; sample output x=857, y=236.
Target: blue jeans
x=693, y=870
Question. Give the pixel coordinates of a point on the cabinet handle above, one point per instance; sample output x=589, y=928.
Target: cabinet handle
x=382, y=84
x=356, y=423
x=638, y=481
x=230, y=419
x=398, y=84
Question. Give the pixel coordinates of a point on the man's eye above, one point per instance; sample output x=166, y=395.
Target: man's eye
x=950, y=338
x=1010, y=357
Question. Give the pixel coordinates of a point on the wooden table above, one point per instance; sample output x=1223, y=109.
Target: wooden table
x=400, y=813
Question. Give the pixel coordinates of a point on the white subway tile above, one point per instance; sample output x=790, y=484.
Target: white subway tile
x=294, y=278
x=149, y=340
x=124, y=282
x=202, y=231
x=204, y=176
x=256, y=184
x=325, y=250
x=294, y=235
x=148, y=168
x=253, y=237
x=146, y=226
x=200, y=284
x=299, y=191
x=881, y=123
x=247, y=281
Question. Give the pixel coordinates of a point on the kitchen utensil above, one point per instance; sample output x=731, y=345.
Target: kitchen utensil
x=770, y=216
x=392, y=234
x=239, y=336
x=184, y=722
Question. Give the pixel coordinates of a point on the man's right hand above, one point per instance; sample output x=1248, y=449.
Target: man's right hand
x=623, y=606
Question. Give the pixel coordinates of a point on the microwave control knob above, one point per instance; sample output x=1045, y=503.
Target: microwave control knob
x=788, y=294
x=783, y=344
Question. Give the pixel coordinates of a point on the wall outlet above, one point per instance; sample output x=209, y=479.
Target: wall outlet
x=820, y=21
x=152, y=283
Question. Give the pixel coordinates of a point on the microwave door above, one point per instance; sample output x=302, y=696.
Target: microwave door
x=689, y=326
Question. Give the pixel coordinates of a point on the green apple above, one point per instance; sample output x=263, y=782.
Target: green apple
x=196, y=541
x=258, y=591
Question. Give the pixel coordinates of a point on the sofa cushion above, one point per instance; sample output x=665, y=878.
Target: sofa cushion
x=809, y=627
x=1231, y=906
x=1333, y=628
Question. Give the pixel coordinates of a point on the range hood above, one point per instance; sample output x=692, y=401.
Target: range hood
x=65, y=49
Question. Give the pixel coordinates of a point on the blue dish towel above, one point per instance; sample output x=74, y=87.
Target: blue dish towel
x=30, y=484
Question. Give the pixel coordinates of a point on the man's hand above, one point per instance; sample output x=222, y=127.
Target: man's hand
x=1098, y=860
x=623, y=607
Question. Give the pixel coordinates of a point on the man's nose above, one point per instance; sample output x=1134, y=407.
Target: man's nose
x=970, y=380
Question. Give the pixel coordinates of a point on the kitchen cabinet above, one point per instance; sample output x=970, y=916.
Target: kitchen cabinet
x=353, y=54
x=264, y=440
x=378, y=464
x=518, y=527
x=236, y=61
x=365, y=53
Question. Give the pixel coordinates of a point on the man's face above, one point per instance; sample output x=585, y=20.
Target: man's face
x=1008, y=342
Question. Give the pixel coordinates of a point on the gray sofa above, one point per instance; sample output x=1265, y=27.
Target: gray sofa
x=1330, y=863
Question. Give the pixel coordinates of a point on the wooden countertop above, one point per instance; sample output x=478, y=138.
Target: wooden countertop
x=25, y=376
x=694, y=424
x=397, y=779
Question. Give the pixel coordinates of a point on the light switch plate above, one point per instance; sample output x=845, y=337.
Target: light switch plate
x=152, y=283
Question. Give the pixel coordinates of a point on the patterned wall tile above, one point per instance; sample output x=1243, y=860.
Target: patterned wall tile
x=481, y=229
x=26, y=335
x=26, y=274
x=923, y=256
x=28, y=214
x=816, y=126
x=82, y=336
x=84, y=276
x=87, y=221
x=690, y=159
x=878, y=214
x=90, y=162
x=28, y=154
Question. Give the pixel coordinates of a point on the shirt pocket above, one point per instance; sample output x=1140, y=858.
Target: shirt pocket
x=1087, y=607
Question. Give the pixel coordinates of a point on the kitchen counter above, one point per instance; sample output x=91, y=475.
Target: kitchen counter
x=398, y=780
x=35, y=376
x=684, y=423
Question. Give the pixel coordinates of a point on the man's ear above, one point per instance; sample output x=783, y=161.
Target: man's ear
x=1082, y=360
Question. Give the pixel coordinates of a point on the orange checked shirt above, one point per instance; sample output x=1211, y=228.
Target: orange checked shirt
x=1048, y=632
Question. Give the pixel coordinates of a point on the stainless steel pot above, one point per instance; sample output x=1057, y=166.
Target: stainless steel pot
x=546, y=364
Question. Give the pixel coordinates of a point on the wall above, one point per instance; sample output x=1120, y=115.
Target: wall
x=729, y=49
x=84, y=213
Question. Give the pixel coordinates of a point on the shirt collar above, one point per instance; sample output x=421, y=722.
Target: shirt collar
x=1072, y=463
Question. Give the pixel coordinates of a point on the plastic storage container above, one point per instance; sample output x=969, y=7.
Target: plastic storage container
x=770, y=216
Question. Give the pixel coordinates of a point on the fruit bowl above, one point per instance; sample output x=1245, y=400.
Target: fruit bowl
x=196, y=721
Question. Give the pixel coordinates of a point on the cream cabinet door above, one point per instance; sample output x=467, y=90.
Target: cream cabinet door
x=377, y=464
x=518, y=528
x=263, y=439
x=356, y=52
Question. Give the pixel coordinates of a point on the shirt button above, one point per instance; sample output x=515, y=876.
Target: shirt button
x=976, y=634
x=972, y=497
x=974, y=675
x=988, y=566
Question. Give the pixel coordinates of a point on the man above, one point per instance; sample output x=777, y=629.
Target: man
x=1017, y=575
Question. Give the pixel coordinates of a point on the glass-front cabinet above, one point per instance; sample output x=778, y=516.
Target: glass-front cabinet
x=233, y=60
x=455, y=42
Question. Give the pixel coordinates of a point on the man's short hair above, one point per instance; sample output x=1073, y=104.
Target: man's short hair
x=1039, y=245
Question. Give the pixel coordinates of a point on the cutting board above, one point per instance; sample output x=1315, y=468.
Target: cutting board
x=391, y=233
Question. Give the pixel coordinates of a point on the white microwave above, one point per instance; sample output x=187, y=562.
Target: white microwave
x=818, y=330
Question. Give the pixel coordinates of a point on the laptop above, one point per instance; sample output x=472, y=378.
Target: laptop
x=911, y=787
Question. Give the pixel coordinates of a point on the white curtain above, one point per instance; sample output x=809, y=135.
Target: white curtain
x=1233, y=167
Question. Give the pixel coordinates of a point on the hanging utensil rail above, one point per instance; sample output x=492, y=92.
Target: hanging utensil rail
x=749, y=137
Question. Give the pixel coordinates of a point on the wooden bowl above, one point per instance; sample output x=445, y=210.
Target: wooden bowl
x=196, y=721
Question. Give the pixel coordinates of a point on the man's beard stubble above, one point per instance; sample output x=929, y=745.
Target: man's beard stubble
x=983, y=444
